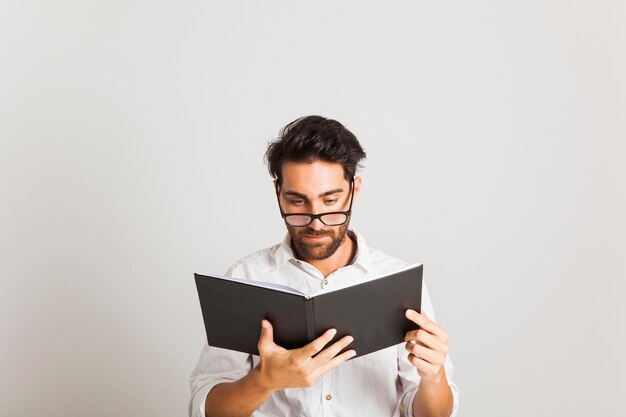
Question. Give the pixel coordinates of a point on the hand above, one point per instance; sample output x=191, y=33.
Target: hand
x=429, y=351
x=281, y=368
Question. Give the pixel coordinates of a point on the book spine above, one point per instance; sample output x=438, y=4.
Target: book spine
x=309, y=313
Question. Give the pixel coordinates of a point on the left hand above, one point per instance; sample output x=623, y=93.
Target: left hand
x=429, y=351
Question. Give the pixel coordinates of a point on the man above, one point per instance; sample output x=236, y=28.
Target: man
x=313, y=163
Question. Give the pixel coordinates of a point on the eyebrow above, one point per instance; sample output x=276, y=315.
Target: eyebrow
x=322, y=195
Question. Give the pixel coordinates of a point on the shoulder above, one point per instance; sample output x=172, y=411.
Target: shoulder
x=384, y=261
x=375, y=260
x=257, y=263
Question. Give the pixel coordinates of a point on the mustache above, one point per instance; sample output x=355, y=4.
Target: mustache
x=311, y=232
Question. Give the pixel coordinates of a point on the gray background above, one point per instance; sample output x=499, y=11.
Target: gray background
x=132, y=135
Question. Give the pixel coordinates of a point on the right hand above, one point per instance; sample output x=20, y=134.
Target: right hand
x=281, y=368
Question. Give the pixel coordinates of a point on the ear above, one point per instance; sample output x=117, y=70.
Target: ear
x=276, y=187
x=357, y=185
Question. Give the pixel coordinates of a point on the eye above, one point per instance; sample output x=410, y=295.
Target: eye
x=297, y=202
x=331, y=201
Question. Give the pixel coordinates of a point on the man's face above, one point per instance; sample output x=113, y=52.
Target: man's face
x=314, y=188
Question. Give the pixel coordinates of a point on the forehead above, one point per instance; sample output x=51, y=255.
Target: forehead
x=312, y=177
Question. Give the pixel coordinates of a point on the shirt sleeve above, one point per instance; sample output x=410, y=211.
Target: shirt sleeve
x=216, y=366
x=408, y=376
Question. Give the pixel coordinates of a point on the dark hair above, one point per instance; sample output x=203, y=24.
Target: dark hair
x=314, y=138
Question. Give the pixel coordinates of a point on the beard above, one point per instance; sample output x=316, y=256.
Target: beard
x=317, y=251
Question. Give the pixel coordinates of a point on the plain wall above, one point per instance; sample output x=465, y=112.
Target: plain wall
x=131, y=144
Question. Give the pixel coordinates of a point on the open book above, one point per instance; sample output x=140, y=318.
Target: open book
x=371, y=311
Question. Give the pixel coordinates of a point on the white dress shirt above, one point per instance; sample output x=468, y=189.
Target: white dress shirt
x=379, y=384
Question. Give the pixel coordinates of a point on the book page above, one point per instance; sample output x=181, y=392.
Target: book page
x=268, y=285
x=363, y=282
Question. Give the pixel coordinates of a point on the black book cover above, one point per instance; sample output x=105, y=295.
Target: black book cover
x=372, y=312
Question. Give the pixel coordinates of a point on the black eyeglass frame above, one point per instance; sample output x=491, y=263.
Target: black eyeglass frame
x=312, y=217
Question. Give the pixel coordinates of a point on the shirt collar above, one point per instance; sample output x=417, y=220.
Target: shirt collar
x=284, y=252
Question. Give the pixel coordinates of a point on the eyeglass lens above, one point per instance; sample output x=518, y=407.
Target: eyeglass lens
x=331, y=219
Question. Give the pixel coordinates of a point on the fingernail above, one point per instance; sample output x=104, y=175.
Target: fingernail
x=333, y=332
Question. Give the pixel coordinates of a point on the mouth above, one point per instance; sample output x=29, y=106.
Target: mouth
x=315, y=238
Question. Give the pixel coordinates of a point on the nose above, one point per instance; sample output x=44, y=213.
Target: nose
x=316, y=224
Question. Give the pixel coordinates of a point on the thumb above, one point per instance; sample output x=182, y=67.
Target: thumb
x=267, y=335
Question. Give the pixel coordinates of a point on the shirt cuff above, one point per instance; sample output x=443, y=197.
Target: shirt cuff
x=406, y=405
x=197, y=406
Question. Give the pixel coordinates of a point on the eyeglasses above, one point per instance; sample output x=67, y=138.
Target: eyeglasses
x=332, y=218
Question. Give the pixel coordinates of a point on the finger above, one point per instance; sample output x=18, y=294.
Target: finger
x=425, y=323
x=266, y=341
x=429, y=340
x=422, y=365
x=318, y=344
x=335, y=362
x=331, y=351
x=429, y=355
x=267, y=331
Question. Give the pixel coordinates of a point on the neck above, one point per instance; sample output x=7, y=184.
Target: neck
x=342, y=257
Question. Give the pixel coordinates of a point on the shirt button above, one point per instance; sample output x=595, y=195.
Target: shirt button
x=329, y=397
x=325, y=281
